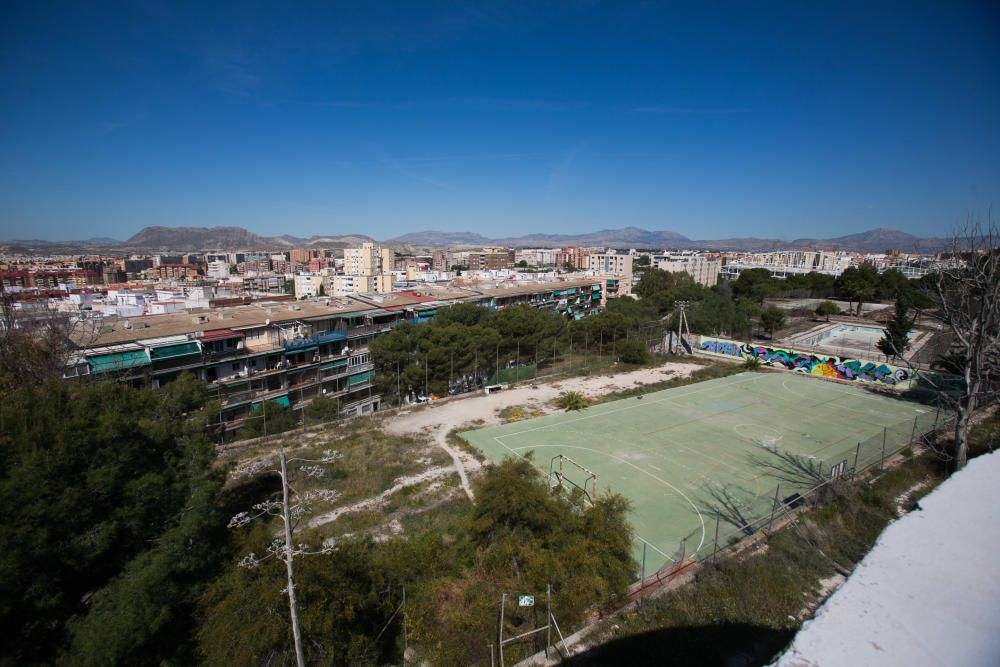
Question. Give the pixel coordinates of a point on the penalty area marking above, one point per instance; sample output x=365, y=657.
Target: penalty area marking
x=701, y=518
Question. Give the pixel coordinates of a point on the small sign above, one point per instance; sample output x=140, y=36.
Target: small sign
x=525, y=600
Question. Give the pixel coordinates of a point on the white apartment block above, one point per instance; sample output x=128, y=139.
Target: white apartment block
x=218, y=268
x=703, y=269
x=308, y=285
x=536, y=256
x=348, y=285
x=610, y=263
x=791, y=262
x=370, y=261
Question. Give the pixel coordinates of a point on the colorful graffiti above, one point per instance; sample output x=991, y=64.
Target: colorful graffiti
x=810, y=364
x=721, y=347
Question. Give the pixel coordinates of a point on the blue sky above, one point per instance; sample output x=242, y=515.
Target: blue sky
x=712, y=119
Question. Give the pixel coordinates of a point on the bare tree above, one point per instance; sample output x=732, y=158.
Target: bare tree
x=290, y=509
x=36, y=342
x=968, y=305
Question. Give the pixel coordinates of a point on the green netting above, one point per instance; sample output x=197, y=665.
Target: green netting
x=518, y=374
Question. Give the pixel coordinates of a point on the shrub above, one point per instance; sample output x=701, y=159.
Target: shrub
x=572, y=400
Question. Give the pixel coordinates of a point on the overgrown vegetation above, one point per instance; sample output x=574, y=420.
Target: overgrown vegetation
x=111, y=527
x=519, y=536
x=750, y=606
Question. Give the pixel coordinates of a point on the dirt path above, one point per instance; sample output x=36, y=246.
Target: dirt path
x=380, y=499
x=438, y=419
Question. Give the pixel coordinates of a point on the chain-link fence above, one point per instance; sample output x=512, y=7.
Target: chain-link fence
x=733, y=519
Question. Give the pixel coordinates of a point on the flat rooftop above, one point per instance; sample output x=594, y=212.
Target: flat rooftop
x=112, y=330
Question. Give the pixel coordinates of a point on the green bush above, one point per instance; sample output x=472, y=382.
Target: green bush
x=632, y=352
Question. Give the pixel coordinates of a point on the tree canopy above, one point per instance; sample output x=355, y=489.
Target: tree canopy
x=109, y=520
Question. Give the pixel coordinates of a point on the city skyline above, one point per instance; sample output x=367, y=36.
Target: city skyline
x=795, y=122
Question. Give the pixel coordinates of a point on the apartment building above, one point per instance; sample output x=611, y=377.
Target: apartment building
x=370, y=261
x=792, y=262
x=309, y=286
x=575, y=257
x=609, y=263
x=290, y=351
x=490, y=259
x=442, y=260
x=703, y=268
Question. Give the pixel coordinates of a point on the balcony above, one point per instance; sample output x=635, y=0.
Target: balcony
x=368, y=329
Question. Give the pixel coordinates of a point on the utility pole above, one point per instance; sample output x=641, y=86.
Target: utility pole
x=292, y=608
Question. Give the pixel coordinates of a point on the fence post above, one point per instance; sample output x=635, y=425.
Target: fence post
x=857, y=453
x=774, y=506
x=548, y=618
x=881, y=463
x=913, y=433
x=642, y=581
x=715, y=551
x=503, y=600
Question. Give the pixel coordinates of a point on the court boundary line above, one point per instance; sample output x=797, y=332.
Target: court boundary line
x=701, y=518
x=842, y=398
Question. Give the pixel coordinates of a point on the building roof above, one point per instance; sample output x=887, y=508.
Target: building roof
x=515, y=288
x=109, y=331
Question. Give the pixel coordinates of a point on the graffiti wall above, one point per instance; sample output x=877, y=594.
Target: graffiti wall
x=810, y=363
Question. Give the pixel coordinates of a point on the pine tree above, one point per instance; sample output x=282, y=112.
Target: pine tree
x=897, y=333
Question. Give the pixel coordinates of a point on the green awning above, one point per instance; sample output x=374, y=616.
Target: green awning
x=280, y=400
x=333, y=364
x=170, y=351
x=360, y=378
x=106, y=363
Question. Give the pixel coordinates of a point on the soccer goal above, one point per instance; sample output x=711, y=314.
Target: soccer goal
x=568, y=475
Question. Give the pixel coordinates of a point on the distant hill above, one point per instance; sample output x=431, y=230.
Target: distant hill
x=875, y=240
x=632, y=237
x=193, y=239
x=196, y=238
x=434, y=238
x=231, y=238
x=627, y=236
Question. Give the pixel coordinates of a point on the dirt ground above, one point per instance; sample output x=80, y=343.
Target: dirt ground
x=439, y=418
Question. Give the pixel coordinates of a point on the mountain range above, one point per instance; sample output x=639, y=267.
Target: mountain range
x=875, y=240
x=194, y=239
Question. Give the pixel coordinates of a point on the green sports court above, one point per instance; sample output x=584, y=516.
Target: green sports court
x=666, y=449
